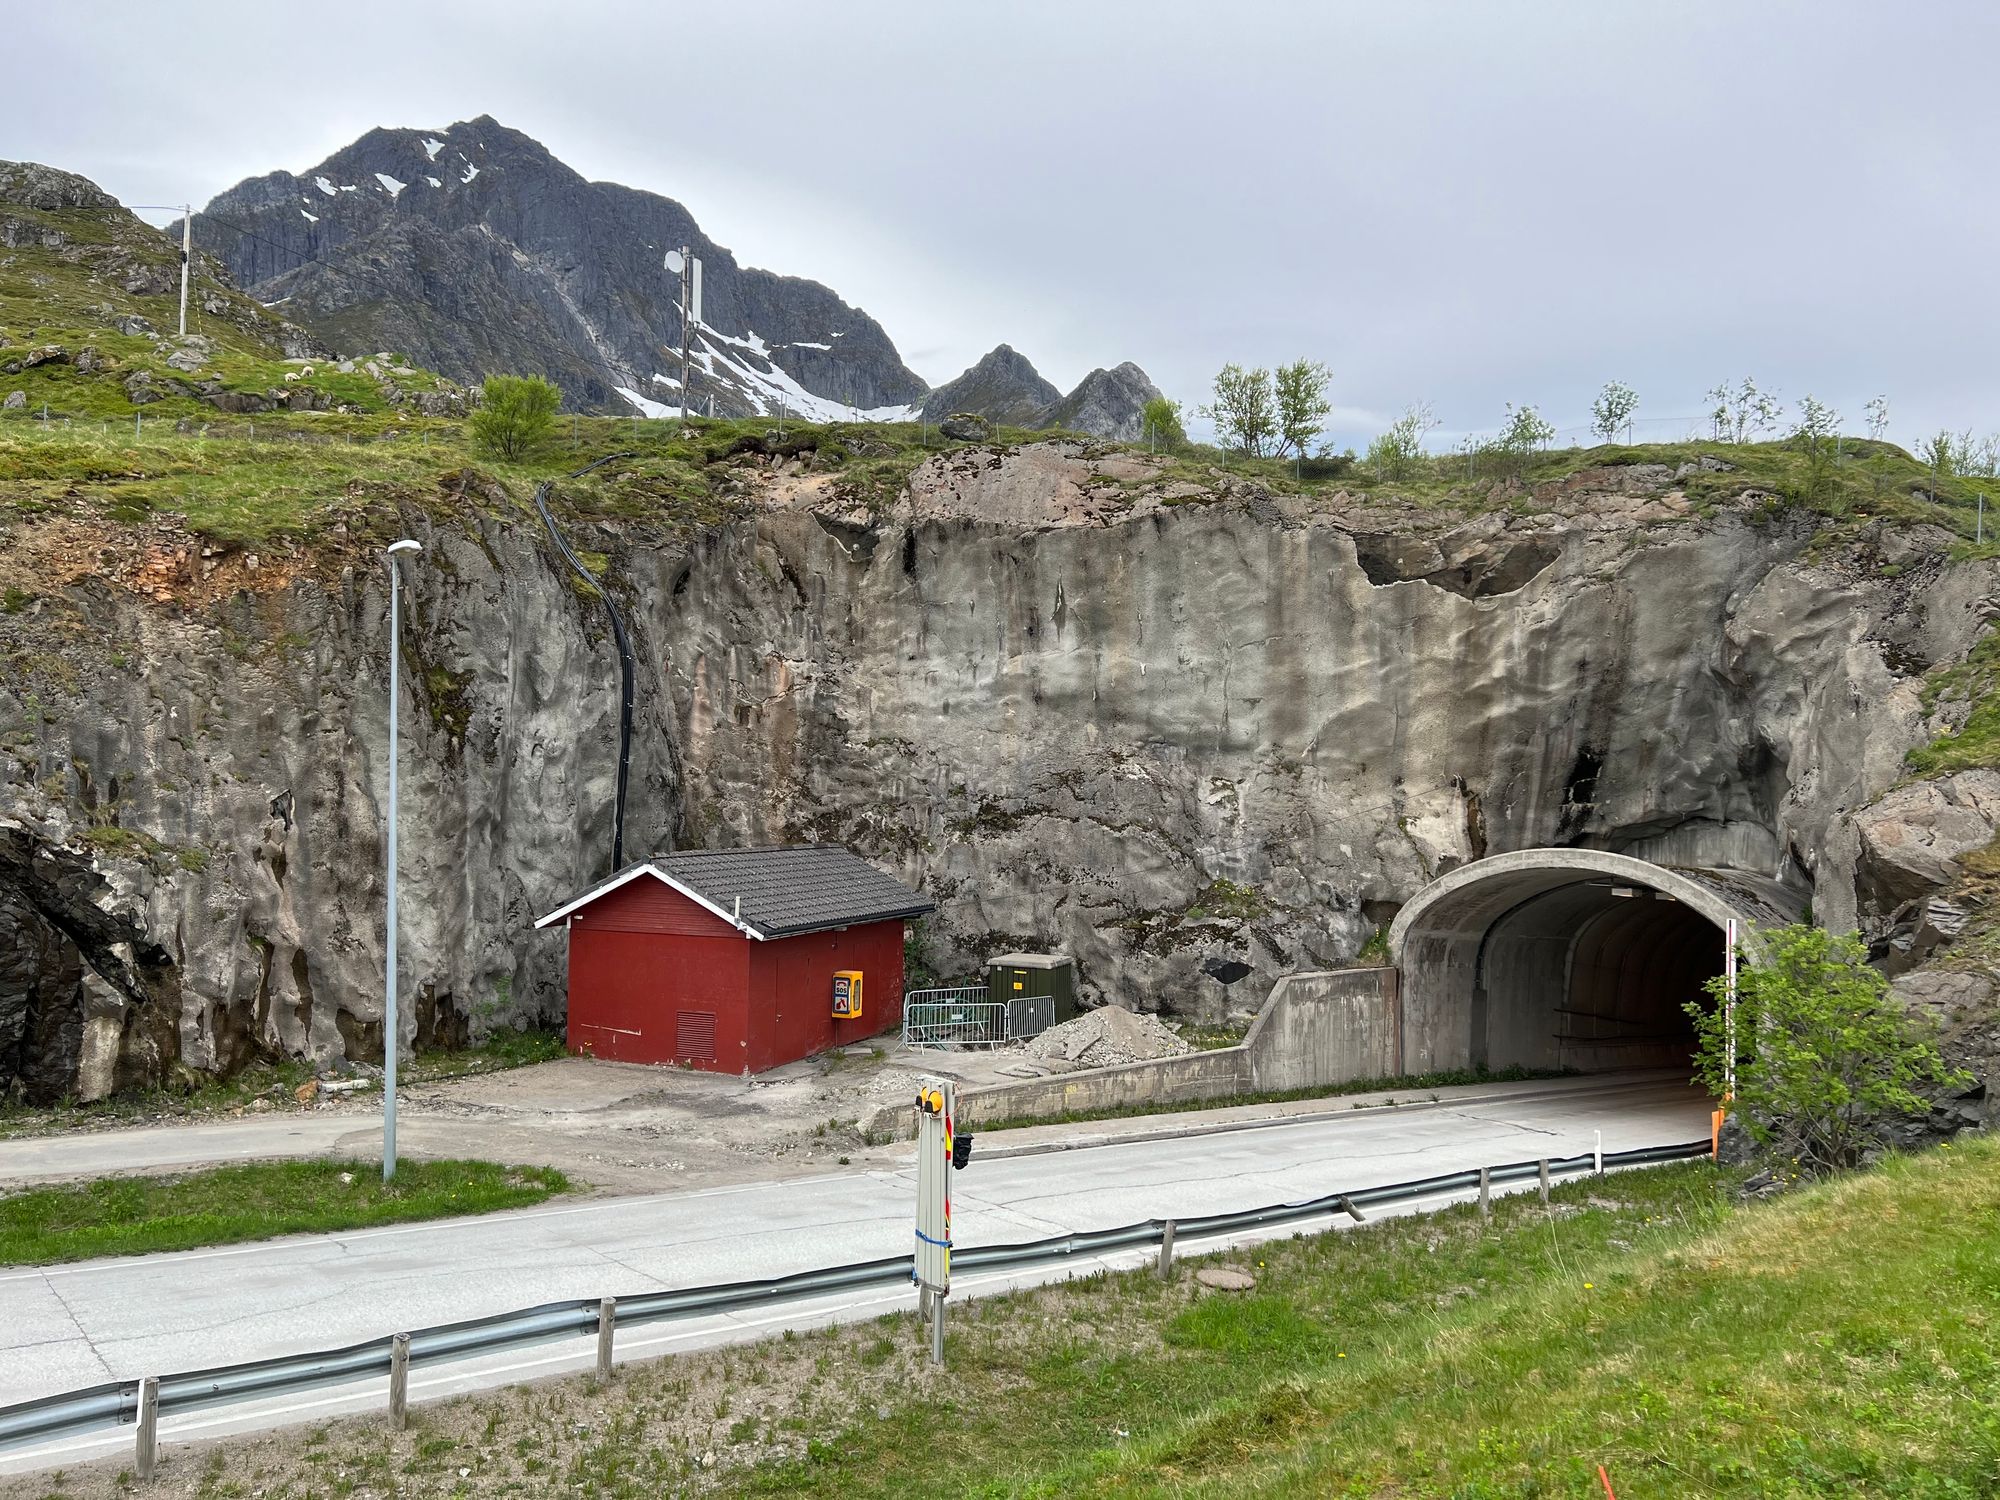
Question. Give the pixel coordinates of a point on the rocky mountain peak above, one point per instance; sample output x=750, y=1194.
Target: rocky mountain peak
x=473, y=250
x=29, y=184
x=1001, y=386
x=1004, y=387
x=1107, y=403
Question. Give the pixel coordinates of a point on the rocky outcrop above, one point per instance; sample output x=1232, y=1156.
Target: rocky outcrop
x=472, y=249
x=1193, y=736
x=1912, y=839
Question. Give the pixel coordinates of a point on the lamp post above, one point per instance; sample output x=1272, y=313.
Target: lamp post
x=391, y=1033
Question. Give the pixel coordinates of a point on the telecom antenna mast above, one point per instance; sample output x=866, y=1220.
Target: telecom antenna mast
x=689, y=267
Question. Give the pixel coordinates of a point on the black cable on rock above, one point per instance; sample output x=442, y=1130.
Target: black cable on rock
x=625, y=668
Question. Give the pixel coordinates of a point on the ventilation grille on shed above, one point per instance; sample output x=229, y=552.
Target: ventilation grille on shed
x=694, y=1035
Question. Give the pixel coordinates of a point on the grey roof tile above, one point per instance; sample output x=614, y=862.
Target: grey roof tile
x=789, y=890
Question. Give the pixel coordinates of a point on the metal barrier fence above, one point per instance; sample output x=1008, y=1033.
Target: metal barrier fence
x=961, y=1016
x=117, y=1402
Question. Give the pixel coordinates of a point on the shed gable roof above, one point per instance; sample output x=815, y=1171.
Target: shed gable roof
x=773, y=893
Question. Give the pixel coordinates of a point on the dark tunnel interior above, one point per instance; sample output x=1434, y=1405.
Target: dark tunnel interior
x=1595, y=975
x=1568, y=959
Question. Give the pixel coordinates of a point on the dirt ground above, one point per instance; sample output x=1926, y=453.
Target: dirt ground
x=631, y=1128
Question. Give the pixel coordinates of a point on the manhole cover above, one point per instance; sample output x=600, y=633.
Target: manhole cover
x=1224, y=1280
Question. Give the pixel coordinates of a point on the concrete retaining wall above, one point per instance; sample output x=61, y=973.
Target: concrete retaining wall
x=1342, y=1026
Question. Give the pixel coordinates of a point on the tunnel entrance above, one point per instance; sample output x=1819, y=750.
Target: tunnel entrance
x=1568, y=958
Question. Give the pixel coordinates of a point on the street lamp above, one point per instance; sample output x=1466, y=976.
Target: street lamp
x=390, y=1031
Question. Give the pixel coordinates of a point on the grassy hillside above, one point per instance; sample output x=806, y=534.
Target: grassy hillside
x=223, y=431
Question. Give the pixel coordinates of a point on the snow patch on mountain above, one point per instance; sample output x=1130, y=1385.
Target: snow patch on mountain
x=647, y=408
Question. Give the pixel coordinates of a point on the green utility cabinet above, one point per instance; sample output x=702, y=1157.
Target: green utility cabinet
x=1025, y=976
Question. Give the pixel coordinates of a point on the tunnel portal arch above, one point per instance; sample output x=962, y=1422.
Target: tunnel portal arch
x=1567, y=958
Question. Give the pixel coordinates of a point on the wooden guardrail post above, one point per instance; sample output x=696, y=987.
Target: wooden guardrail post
x=1166, y=1249
x=399, y=1381
x=607, y=1318
x=1486, y=1192
x=1542, y=1172
x=146, y=1449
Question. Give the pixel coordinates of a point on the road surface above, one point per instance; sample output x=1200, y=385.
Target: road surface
x=74, y=1325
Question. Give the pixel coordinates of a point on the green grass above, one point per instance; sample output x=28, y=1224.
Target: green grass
x=249, y=480
x=506, y=1048
x=1415, y=1084
x=1836, y=1343
x=1974, y=684
x=139, y=1215
x=1872, y=479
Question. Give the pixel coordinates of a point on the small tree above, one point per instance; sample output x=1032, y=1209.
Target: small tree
x=516, y=415
x=1161, y=422
x=1744, y=413
x=1302, y=404
x=1817, y=435
x=1244, y=411
x=1398, y=451
x=1878, y=416
x=1825, y=1056
x=1524, y=433
x=1980, y=459
x=1612, y=410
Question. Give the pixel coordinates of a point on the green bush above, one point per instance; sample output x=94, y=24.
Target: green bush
x=1825, y=1056
x=516, y=416
x=1162, y=424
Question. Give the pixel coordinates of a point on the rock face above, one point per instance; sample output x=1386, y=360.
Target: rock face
x=1002, y=387
x=1180, y=734
x=472, y=249
x=1912, y=839
x=966, y=427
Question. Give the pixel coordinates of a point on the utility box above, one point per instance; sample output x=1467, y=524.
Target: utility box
x=1027, y=976
x=846, y=994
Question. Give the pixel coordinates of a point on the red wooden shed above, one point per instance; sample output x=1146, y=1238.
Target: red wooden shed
x=727, y=959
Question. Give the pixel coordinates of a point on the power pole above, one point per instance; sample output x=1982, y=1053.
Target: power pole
x=187, y=254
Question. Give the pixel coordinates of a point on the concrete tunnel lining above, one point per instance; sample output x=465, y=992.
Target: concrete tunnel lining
x=1531, y=959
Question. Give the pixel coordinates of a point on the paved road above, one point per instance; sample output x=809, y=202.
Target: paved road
x=68, y=1326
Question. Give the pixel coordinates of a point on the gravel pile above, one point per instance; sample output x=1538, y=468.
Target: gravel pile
x=1102, y=1037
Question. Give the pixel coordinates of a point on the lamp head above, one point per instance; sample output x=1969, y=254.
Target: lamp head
x=405, y=545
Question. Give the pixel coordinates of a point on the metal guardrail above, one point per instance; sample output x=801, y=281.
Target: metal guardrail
x=115, y=1403
x=961, y=1016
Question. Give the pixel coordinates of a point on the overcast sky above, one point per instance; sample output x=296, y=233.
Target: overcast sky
x=1465, y=203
